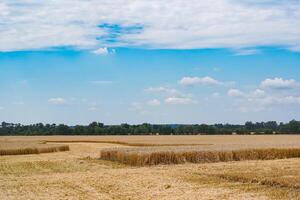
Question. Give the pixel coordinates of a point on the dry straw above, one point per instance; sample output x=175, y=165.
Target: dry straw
x=267, y=182
x=142, y=158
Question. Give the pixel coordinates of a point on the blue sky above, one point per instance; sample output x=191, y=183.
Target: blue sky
x=77, y=61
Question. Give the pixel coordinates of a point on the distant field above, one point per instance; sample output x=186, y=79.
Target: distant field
x=251, y=140
x=80, y=174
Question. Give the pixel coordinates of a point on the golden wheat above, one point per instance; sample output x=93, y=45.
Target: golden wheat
x=141, y=158
x=32, y=147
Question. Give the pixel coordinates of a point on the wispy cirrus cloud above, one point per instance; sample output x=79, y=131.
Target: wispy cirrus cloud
x=246, y=52
x=180, y=100
x=162, y=89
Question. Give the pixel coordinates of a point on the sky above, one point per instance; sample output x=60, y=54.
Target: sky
x=128, y=61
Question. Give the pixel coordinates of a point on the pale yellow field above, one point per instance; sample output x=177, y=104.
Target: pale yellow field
x=241, y=140
x=79, y=174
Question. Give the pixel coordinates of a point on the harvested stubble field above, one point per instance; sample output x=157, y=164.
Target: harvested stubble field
x=80, y=174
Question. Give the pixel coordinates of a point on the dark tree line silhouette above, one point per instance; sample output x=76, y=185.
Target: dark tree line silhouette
x=96, y=128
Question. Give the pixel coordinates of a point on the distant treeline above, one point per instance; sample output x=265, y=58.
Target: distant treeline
x=96, y=128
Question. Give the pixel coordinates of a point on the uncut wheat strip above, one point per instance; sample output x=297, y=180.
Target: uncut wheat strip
x=33, y=150
x=143, y=158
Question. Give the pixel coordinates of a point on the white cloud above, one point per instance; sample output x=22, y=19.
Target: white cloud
x=101, y=51
x=104, y=51
x=290, y=100
x=162, y=90
x=278, y=83
x=57, y=101
x=268, y=103
x=258, y=93
x=273, y=100
x=235, y=93
x=1, y=108
x=154, y=102
x=246, y=52
x=177, y=24
x=4, y=10
x=188, y=81
x=179, y=100
x=259, y=100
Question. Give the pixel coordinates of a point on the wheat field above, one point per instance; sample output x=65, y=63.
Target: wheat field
x=80, y=174
x=156, y=156
x=28, y=147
